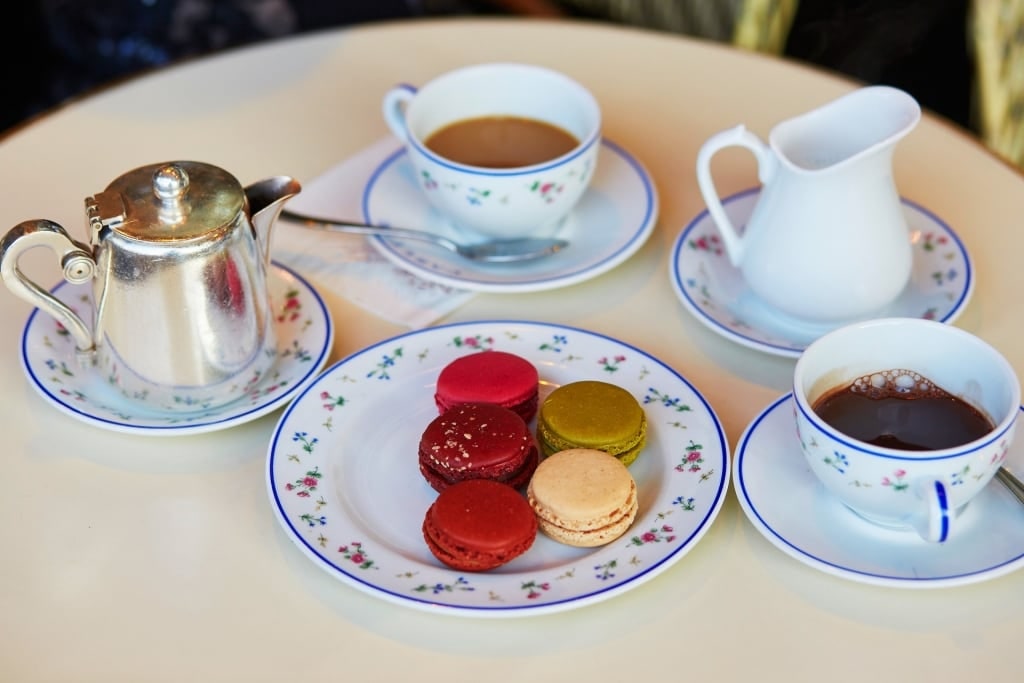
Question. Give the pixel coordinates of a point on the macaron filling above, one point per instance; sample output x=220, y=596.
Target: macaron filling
x=583, y=497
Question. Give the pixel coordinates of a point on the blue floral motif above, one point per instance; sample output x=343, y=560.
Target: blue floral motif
x=556, y=343
x=655, y=396
x=837, y=460
x=461, y=584
x=386, y=362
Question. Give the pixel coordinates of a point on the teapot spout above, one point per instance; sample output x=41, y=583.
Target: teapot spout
x=266, y=199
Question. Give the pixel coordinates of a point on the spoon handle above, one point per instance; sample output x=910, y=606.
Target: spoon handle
x=1011, y=482
x=363, y=229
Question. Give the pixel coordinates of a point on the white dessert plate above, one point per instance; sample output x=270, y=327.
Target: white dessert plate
x=714, y=291
x=785, y=502
x=304, y=337
x=612, y=220
x=344, y=481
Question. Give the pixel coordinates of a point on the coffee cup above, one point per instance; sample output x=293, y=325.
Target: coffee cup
x=501, y=150
x=905, y=420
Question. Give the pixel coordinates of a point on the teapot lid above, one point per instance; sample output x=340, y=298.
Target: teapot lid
x=177, y=200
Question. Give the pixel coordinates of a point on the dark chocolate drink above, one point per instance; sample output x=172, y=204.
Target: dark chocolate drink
x=901, y=409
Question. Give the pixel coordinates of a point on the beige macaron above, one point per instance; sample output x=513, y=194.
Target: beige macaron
x=583, y=497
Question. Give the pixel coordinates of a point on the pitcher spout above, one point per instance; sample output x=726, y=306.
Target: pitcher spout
x=266, y=199
x=864, y=122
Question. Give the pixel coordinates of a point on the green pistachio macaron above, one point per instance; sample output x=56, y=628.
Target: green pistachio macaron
x=592, y=414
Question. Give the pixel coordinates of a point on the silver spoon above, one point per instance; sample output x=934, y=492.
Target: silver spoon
x=1011, y=482
x=496, y=251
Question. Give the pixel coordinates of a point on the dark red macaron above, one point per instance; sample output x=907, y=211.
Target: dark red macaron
x=479, y=524
x=492, y=377
x=477, y=441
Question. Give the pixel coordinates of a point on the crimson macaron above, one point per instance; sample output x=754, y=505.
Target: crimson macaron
x=498, y=377
x=479, y=524
x=477, y=441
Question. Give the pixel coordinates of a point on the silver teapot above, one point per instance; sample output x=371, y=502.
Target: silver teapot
x=177, y=258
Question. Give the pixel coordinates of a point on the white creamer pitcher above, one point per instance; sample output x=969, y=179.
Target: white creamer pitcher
x=827, y=240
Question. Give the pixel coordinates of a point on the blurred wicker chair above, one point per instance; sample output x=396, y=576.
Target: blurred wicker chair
x=997, y=37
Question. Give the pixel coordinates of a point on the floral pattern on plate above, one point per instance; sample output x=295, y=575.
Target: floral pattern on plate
x=714, y=291
x=343, y=477
x=304, y=337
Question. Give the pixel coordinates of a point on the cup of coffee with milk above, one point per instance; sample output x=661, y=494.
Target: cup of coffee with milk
x=905, y=420
x=502, y=150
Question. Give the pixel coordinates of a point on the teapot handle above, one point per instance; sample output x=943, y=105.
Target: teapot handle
x=766, y=165
x=76, y=261
x=393, y=106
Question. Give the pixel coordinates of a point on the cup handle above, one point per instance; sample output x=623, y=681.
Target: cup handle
x=933, y=523
x=766, y=165
x=395, y=102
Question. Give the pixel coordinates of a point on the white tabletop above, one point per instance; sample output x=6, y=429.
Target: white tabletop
x=130, y=558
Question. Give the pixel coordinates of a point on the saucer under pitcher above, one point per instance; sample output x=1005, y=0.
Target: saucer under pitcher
x=177, y=259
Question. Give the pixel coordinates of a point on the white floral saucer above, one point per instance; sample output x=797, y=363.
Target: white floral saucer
x=304, y=337
x=714, y=291
x=343, y=480
x=785, y=502
x=611, y=222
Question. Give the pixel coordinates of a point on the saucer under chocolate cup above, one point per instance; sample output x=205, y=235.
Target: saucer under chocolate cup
x=913, y=489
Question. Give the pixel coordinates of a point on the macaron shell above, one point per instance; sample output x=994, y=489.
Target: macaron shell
x=477, y=441
x=583, y=497
x=489, y=376
x=478, y=525
x=592, y=414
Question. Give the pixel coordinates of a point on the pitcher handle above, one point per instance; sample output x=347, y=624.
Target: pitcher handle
x=393, y=106
x=766, y=165
x=76, y=262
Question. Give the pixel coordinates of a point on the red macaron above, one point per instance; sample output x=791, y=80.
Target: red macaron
x=477, y=441
x=479, y=524
x=491, y=377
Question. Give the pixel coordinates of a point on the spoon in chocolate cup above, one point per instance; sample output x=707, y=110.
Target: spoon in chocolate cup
x=1007, y=478
x=494, y=251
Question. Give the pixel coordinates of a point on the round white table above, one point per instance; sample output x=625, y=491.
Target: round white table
x=129, y=558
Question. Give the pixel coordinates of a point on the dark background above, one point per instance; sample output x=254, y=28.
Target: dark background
x=59, y=49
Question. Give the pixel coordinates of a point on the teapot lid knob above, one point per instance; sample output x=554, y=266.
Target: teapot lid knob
x=170, y=183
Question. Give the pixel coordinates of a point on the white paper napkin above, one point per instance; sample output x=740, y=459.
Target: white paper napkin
x=349, y=264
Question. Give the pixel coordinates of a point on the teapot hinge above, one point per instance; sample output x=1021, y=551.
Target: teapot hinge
x=104, y=210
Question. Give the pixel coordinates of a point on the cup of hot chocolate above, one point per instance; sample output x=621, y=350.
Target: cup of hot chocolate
x=905, y=420
x=501, y=150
